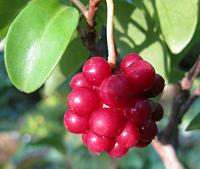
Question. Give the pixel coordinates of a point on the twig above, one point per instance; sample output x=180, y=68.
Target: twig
x=81, y=7
x=110, y=39
x=89, y=36
x=169, y=134
x=93, y=6
x=167, y=155
x=181, y=104
x=188, y=80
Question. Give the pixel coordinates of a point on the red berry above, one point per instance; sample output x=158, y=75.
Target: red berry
x=141, y=75
x=74, y=123
x=129, y=136
x=115, y=91
x=79, y=81
x=117, y=151
x=157, y=114
x=128, y=60
x=139, y=112
x=157, y=87
x=84, y=137
x=97, y=144
x=142, y=144
x=96, y=70
x=148, y=131
x=83, y=101
x=105, y=122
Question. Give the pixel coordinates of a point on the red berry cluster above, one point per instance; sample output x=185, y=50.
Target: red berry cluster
x=112, y=111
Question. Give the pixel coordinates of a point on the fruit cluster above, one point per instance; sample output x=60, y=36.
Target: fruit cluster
x=112, y=110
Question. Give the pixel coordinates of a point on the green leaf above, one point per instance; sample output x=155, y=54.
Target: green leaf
x=74, y=57
x=53, y=82
x=178, y=20
x=8, y=11
x=135, y=31
x=70, y=63
x=36, y=41
x=195, y=123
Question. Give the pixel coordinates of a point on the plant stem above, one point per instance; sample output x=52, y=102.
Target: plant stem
x=110, y=40
x=81, y=7
x=167, y=155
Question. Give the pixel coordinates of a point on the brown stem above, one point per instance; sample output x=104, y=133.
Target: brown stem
x=93, y=6
x=89, y=36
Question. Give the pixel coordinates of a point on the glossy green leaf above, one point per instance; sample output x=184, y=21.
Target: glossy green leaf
x=8, y=11
x=195, y=123
x=70, y=63
x=178, y=20
x=36, y=41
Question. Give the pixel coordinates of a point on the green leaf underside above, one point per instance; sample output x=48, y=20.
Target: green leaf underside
x=8, y=11
x=36, y=41
x=195, y=123
x=178, y=20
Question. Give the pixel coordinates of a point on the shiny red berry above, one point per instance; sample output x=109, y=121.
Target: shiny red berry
x=95, y=143
x=128, y=60
x=148, y=131
x=84, y=138
x=96, y=70
x=79, y=81
x=117, y=151
x=74, y=123
x=83, y=101
x=139, y=112
x=115, y=91
x=129, y=136
x=142, y=144
x=141, y=76
x=157, y=114
x=157, y=87
x=105, y=122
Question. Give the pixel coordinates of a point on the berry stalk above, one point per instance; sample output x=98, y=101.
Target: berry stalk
x=110, y=37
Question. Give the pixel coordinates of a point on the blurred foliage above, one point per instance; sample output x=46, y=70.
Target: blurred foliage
x=34, y=122
x=195, y=123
